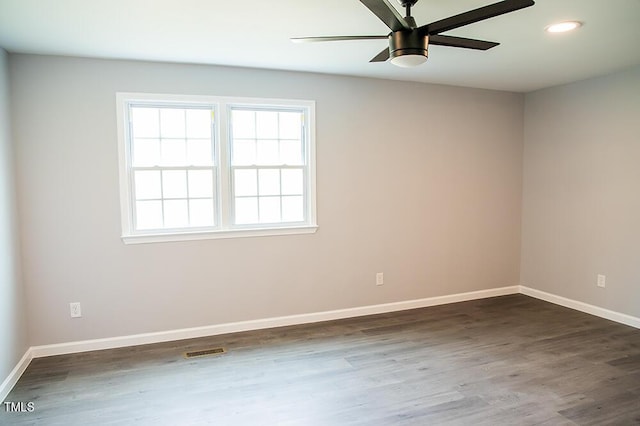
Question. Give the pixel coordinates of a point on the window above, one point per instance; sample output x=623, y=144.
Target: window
x=194, y=167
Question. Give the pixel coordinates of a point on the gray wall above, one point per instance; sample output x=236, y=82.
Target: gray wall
x=13, y=325
x=421, y=182
x=581, y=201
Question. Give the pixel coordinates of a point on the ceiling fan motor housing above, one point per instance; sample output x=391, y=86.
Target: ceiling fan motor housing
x=408, y=43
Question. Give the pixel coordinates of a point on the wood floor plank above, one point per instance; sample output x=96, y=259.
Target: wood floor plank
x=505, y=360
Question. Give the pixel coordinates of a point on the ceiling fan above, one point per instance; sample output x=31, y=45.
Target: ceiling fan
x=408, y=43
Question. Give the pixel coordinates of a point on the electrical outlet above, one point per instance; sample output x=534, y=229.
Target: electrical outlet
x=602, y=281
x=75, y=310
x=379, y=278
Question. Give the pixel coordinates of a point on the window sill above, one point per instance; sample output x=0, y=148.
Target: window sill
x=212, y=235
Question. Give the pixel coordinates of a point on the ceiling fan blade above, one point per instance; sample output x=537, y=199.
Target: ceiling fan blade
x=336, y=38
x=382, y=56
x=467, y=43
x=387, y=14
x=475, y=15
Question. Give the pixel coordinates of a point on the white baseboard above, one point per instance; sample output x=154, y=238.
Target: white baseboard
x=582, y=307
x=217, y=329
x=234, y=327
x=15, y=374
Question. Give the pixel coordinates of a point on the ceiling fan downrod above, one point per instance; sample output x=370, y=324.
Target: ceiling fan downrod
x=407, y=4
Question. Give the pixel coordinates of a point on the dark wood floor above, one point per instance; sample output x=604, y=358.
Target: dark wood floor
x=509, y=360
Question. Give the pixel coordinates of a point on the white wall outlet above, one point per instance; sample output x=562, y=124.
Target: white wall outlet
x=602, y=281
x=75, y=310
x=379, y=278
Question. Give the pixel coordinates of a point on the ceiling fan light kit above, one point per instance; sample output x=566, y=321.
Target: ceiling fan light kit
x=409, y=44
x=408, y=48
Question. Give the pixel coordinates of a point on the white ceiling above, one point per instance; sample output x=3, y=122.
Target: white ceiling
x=255, y=33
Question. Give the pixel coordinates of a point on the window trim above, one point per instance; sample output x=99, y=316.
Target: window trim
x=223, y=229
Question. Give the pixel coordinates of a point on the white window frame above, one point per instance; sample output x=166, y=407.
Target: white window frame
x=222, y=152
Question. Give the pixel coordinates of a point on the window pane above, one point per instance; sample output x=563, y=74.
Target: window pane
x=200, y=183
x=267, y=125
x=269, y=182
x=176, y=214
x=244, y=152
x=291, y=152
x=290, y=125
x=245, y=182
x=292, y=209
x=268, y=152
x=148, y=215
x=174, y=184
x=292, y=182
x=243, y=124
x=174, y=152
x=269, y=209
x=147, y=185
x=146, y=152
x=172, y=124
x=146, y=122
x=201, y=212
x=246, y=210
x=199, y=152
x=199, y=123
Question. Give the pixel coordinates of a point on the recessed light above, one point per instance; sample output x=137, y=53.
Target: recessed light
x=563, y=27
